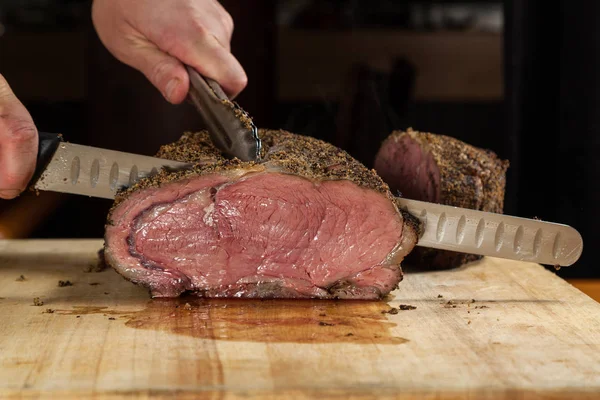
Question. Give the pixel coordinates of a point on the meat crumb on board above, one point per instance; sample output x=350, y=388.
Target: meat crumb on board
x=21, y=278
x=401, y=307
x=404, y=307
x=37, y=302
x=48, y=311
x=321, y=323
x=64, y=283
x=449, y=304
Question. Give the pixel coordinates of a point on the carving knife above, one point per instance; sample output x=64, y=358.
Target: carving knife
x=72, y=168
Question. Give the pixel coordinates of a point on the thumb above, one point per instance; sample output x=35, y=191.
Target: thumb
x=166, y=73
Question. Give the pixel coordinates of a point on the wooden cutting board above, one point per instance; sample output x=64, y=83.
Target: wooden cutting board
x=495, y=329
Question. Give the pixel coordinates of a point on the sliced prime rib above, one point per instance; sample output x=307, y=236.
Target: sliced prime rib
x=309, y=221
x=441, y=169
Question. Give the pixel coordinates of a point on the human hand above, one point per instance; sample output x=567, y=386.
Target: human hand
x=157, y=37
x=18, y=144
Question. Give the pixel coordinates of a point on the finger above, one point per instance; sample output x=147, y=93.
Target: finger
x=208, y=57
x=18, y=144
x=220, y=24
x=165, y=72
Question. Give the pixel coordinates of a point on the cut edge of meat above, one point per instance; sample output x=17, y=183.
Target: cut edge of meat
x=419, y=174
x=310, y=160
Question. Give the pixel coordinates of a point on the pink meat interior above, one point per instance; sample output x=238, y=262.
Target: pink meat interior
x=408, y=169
x=220, y=233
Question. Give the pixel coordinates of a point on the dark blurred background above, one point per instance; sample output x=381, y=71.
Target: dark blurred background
x=517, y=77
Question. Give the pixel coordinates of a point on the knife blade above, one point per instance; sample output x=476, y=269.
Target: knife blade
x=496, y=235
x=90, y=171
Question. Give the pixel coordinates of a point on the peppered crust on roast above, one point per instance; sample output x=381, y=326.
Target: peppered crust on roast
x=459, y=163
x=469, y=177
x=296, y=154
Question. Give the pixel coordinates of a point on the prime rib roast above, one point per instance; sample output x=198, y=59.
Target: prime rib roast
x=445, y=170
x=308, y=221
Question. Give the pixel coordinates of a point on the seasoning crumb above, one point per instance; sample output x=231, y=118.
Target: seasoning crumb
x=21, y=278
x=390, y=311
x=48, y=311
x=322, y=315
x=468, y=312
x=440, y=296
x=187, y=306
x=79, y=316
x=64, y=283
x=449, y=304
x=469, y=322
x=112, y=318
x=321, y=323
x=94, y=283
x=349, y=334
x=105, y=292
x=472, y=300
x=481, y=307
x=404, y=307
x=37, y=302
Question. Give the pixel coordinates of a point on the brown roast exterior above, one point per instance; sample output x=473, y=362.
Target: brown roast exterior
x=307, y=221
x=441, y=169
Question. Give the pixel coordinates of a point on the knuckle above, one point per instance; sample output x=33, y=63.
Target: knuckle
x=227, y=22
x=160, y=70
x=199, y=28
x=18, y=132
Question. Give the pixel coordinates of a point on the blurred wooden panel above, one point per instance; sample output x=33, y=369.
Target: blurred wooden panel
x=450, y=66
x=21, y=216
x=45, y=66
x=591, y=287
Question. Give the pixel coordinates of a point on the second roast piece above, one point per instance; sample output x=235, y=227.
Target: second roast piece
x=441, y=169
x=309, y=221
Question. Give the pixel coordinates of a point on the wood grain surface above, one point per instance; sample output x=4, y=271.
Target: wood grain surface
x=493, y=330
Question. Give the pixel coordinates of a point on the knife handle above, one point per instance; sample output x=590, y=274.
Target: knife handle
x=48, y=143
